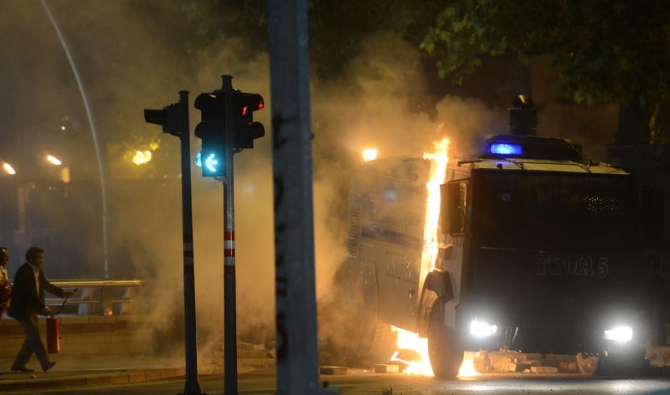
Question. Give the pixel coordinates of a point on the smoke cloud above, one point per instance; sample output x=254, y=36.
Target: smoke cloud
x=133, y=55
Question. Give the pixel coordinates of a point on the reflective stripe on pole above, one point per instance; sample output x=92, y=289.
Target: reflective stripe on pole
x=229, y=252
x=229, y=244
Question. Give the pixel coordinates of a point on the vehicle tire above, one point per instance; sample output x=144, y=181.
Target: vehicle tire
x=444, y=350
x=587, y=364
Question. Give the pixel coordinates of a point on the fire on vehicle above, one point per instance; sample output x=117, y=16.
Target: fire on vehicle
x=535, y=250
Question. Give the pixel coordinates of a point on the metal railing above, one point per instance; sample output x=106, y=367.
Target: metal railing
x=97, y=297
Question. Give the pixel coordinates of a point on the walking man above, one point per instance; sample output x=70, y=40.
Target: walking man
x=28, y=301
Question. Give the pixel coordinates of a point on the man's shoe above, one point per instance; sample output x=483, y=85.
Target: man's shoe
x=22, y=369
x=51, y=365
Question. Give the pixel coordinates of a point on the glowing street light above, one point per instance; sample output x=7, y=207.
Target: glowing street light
x=8, y=168
x=369, y=154
x=54, y=160
x=142, y=157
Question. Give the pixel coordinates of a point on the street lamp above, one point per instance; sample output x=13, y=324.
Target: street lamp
x=8, y=168
x=142, y=157
x=65, y=171
x=54, y=160
x=370, y=154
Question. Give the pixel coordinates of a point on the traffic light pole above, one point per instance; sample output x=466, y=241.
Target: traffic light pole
x=174, y=120
x=191, y=386
x=229, y=297
x=227, y=127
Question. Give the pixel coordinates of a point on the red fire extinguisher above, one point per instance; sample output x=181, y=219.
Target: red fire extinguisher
x=53, y=334
x=53, y=330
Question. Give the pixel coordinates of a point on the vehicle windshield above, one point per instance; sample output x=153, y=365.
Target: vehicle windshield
x=555, y=210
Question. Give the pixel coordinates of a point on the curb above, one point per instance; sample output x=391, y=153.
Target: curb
x=71, y=379
x=64, y=380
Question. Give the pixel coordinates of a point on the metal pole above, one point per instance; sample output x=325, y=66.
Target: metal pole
x=191, y=348
x=94, y=134
x=230, y=314
x=297, y=343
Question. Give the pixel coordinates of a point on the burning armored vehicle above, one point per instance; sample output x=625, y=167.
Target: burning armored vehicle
x=526, y=247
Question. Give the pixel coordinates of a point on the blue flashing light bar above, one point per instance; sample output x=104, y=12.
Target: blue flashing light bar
x=505, y=149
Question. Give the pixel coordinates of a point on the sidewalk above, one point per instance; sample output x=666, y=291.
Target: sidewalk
x=79, y=373
x=69, y=372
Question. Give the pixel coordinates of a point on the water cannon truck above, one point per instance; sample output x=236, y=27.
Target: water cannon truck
x=539, y=251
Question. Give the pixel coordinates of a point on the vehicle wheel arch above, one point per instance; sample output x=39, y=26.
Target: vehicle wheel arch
x=436, y=287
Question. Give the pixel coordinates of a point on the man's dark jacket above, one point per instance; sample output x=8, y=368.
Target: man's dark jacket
x=26, y=301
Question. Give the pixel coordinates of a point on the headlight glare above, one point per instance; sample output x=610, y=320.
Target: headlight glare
x=619, y=334
x=482, y=328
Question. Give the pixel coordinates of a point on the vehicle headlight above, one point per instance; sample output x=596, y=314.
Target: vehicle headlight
x=482, y=328
x=619, y=334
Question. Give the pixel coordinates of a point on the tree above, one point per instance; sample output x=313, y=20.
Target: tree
x=337, y=29
x=603, y=51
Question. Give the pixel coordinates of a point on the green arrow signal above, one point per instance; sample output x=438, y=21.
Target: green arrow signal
x=212, y=163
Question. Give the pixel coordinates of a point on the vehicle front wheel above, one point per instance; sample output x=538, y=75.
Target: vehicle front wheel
x=444, y=350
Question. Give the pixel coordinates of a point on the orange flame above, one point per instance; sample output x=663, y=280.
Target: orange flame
x=438, y=171
x=468, y=366
x=420, y=364
x=408, y=340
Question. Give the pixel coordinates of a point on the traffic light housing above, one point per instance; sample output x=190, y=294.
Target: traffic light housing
x=169, y=118
x=211, y=130
x=246, y=130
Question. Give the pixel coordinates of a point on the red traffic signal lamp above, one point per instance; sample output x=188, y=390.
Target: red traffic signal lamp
x=212, y=130
x=246, y=130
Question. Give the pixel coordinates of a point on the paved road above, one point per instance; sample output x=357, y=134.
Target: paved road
x=151, y=376
x=357, y=382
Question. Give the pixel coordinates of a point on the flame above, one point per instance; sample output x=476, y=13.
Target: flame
x=370, y=154
x=468, y=366
x=420, y=365
x=438, y=171
x=406, y=339
x=411, y=341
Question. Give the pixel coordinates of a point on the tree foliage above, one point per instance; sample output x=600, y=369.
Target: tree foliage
x=603, y=50
x=336, y=29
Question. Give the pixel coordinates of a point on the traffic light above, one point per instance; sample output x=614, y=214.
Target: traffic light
x=170, y=118
x=212, y=132
x=246, y=130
